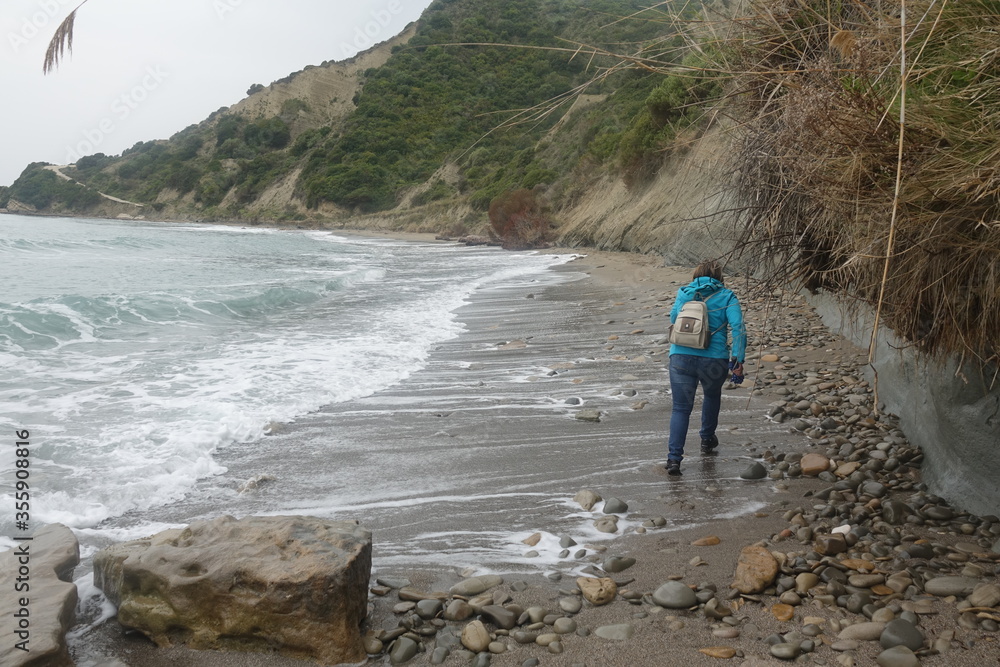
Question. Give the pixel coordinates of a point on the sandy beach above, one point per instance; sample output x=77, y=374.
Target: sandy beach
x=506, y=398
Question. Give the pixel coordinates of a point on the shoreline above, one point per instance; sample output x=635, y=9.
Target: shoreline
x=646, y=290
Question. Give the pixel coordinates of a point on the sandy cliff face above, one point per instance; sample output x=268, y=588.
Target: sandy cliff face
x=327, y=90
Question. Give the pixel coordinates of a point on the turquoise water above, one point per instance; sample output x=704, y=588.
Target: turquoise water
x=134, y=352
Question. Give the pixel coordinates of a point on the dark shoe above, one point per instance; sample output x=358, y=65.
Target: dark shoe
x=708, y=446
x=674, y=468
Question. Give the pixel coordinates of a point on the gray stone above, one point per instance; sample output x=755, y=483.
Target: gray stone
x=785, y=651
x=862, y=632
x=607, y=524
x=571, y=605
x=617, y=564
x=620, y=632
x=458, y=610
x=476, y=585
x=950, y=585
x=427, y=609
x=589, y=415
x=754, y=471
x=481, y=660
x=615, y=506
x=51, y=554
x=439, y=655
x=898, y=656
x=675, y=595
x=228, y=583
x=403, y=650
x=564, y=626
x=499, y=616
x=901, y=633
x=985, y=595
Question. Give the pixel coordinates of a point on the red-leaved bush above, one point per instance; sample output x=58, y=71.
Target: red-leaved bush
x=519, y=220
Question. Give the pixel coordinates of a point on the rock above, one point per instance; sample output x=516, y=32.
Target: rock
x=475, y=637
x=586, y=499
x=607, y=524
x=785, y=651
x=708, y=541
x=597, y=591
x=616, y=564
x=570, y=605
x=813, y=464
x=476, y=585
x=298, y=585
x=899, y=656
x=829, y=545
x=458, y=610
x=895, y=512
x=755, y=570
x=675, y=595
x=532, y=540
x=805, y=582
x=862, y=632
x=721, y=652
x=985, y=595
x=945, y=586
x=564, y=626
x=754, y=471
x=403, y=650
x=49, y=607
x=428, y=609
x=620, y=632
x=500, y=616
x=783, y=612
x=901, y=633
x=589, y=415
x=615, y=506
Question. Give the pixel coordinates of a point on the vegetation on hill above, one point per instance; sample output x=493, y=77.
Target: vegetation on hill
x=42, y=188
x=455, y=93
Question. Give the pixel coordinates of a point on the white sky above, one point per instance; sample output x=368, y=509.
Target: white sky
x=145, y=69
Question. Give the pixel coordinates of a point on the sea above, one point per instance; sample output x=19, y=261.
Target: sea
x=133, y=353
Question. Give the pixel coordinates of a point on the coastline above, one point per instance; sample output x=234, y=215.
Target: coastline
x=626, y=299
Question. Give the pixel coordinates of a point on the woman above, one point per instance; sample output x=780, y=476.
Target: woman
x=691, y=366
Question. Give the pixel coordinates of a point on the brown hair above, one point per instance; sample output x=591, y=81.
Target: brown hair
x=709, y=268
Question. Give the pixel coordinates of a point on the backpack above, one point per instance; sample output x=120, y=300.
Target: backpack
x=691, y=327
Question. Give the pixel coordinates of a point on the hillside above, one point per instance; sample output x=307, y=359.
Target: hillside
x=416, y=121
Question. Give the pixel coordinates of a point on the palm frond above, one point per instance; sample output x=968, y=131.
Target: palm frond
x=62, y=39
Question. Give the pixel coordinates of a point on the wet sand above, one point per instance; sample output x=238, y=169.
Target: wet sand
x=483, y=448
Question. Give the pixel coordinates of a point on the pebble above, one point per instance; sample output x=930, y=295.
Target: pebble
x=786, y=651
x=586, y=499
x=598, y=591
x=675, y=595
x=475, y=637
x=403, y=650
x=754, y=471
x=570, y=605
x=951, y=585
x=901, y=633
x=862, y=631
x=615, y=506
x=898, y=656
x=619, y=632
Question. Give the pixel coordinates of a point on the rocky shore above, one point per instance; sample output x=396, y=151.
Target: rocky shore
x=845, y=560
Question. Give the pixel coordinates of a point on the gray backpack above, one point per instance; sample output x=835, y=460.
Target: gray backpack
x=691, y=326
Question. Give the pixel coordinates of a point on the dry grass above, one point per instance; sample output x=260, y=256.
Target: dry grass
x=839, y=189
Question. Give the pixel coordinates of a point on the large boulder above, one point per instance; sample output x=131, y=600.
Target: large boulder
x=39, y=598
x=291, y=584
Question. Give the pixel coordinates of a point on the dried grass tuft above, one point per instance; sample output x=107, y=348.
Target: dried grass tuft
x=61, y=40
x=822, y=137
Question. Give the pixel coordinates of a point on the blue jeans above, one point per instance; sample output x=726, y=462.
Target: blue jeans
x=686, y=373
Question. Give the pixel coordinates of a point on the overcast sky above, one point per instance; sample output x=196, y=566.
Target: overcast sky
x=145, y=69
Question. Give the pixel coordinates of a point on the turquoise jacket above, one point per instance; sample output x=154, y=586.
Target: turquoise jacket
x=724, y=314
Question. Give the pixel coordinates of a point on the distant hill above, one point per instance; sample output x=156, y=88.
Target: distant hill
x=414, y=122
